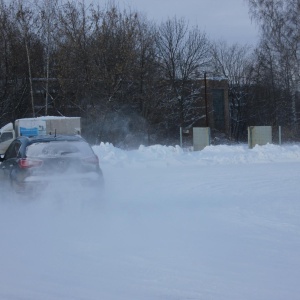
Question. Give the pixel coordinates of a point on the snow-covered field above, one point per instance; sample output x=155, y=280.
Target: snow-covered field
x=219, y=224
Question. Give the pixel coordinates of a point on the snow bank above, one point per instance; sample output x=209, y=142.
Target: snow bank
x=158, y=155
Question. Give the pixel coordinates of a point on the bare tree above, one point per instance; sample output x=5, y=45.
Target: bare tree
x=4, y=60
x=279, y=21
x=115, y=53
x=182, y=53
x=48, y=19
x=72, y=59
x=26, y=21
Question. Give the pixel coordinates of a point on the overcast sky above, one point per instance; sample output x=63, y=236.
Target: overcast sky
x=220, y=19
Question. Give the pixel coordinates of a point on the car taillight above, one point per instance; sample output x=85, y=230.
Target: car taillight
x=91, y=160
x=26, y=163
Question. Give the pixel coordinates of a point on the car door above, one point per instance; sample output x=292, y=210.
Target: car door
x=10, y=161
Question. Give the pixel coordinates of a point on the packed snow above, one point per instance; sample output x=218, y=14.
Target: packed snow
x=218, y=224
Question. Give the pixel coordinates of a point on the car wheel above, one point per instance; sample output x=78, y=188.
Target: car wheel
x=16, y=187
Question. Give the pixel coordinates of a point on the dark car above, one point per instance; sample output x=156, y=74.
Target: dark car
x=32, y=163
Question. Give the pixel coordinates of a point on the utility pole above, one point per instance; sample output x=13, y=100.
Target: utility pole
x=205, y=97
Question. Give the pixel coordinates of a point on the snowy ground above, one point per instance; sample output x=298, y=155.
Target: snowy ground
x=219, y=224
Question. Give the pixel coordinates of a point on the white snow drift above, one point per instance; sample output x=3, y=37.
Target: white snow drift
x=222, y=223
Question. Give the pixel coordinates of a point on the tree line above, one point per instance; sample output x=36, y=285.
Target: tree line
x=133, y=80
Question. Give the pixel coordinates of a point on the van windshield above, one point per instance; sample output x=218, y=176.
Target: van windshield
x=6, y=136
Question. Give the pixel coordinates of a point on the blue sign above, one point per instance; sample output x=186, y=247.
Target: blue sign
x=29, y=131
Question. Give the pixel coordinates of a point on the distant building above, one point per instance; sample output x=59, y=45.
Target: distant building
x=214, y=94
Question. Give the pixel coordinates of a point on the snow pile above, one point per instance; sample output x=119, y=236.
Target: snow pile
x=222, y=154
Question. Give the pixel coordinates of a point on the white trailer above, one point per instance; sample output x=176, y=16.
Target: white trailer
x=38, y=126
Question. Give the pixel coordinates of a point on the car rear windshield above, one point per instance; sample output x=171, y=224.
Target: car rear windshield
x=59, y=148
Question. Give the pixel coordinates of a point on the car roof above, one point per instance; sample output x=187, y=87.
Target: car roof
x=50, y=138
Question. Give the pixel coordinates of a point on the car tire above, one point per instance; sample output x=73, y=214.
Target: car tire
x=16, y=188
